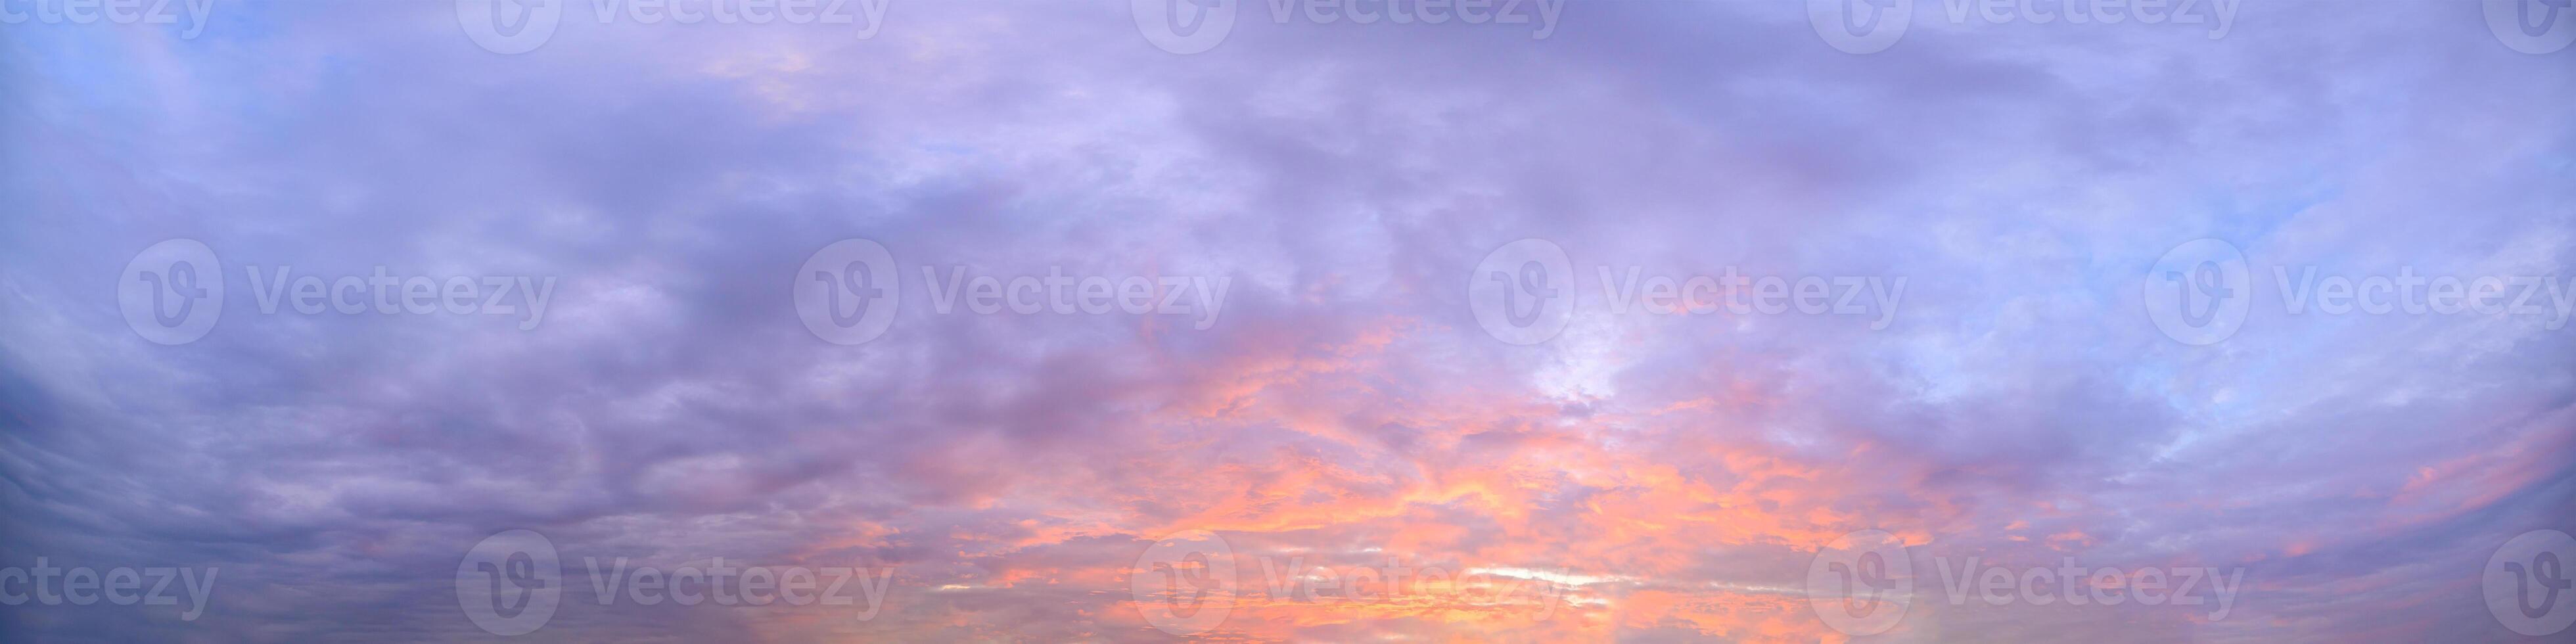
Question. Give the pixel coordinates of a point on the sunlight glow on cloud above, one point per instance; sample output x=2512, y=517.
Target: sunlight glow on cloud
x=1375, y=463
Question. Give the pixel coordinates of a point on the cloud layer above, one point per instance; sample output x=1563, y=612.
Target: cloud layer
x=1637, y=477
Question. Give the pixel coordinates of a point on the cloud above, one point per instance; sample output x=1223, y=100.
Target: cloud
x=1640, y=477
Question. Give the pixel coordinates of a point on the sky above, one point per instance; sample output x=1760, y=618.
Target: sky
x=1287, y=320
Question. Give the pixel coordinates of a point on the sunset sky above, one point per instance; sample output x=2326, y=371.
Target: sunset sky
x=1359, y=331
